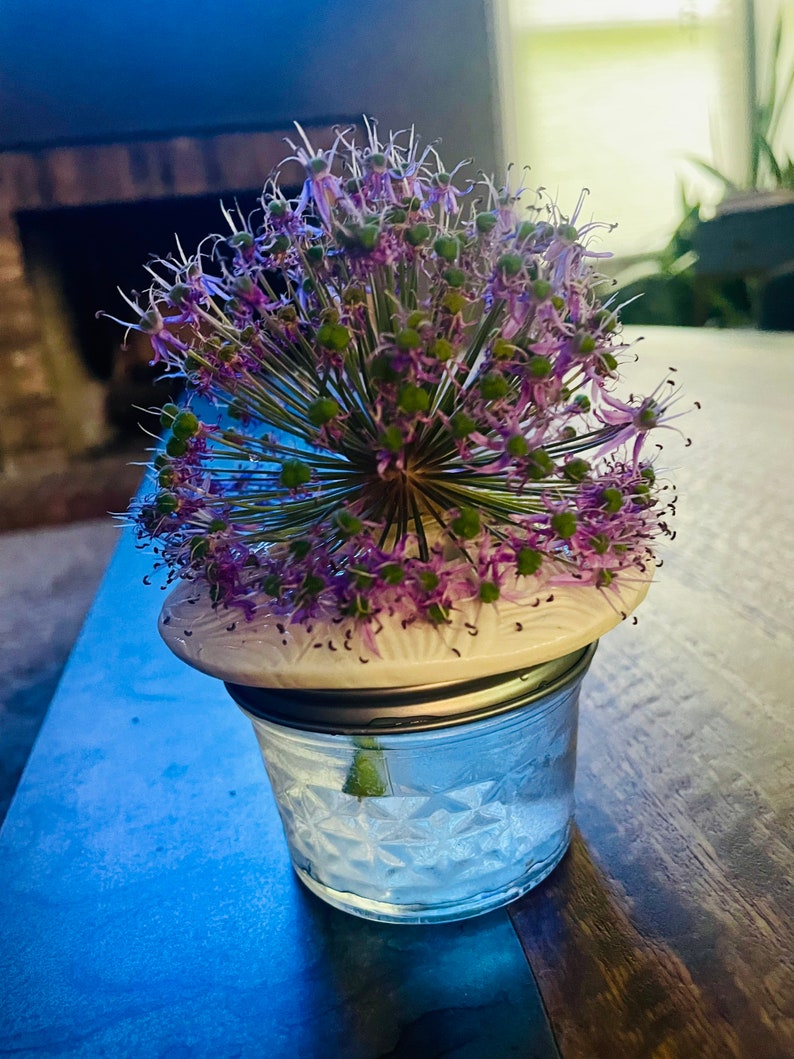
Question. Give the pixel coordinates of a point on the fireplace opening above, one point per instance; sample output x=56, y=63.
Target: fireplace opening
x=77, y=258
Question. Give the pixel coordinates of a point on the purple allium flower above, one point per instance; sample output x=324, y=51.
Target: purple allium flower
x=423, y=418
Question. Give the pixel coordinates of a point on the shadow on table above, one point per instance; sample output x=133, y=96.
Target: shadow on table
x=459, y=990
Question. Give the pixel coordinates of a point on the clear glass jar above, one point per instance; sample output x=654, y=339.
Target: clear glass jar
x=416, y=818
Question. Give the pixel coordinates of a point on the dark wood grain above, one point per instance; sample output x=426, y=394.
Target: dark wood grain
x=609, y=991
x=669, y=929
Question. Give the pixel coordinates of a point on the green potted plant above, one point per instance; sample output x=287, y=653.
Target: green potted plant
x=400, y=502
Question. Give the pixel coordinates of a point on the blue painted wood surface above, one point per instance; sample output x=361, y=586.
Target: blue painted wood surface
x=147, y=904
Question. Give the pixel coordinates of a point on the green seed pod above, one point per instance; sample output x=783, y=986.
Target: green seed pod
x=446, y=247
x=300, y=548
x=392, y=574
x=493, y=386
x=610, y=362
x=295, y=473
x=167, y=477
x=606, y=320
x=466, y=524
x=600, y=543
x=277, y=208
x=417, y=235
x=442, y=349
x=391, y=439
x=362, y=578
x=186, y=425
x=176, y=447
x=417, y=319
x=585, y=343
x=510, y=264
x=347, y=524
x=454, y=277
x=360, y=607
x=315, y=254
x=412, y=204
x=168, y=414
x=166, y=503
x=408, y=338
x=541, y=288
x=462, y=425
x=540, y=465
x=412, y=399
x=485, y=222
x=217, y=525
x=528, y=561
x=564, y=524
x=489, y=592
x=241, y=240
x=576, y=470
x=503, y=350
x=367, y=237
x=539, y=367
x=312, y=585
x=454, y=302
x=199, y=548
x=428, y=580
x=612, y=500
x=272, y=585
x=438, y=614
x=526, y=230
x=333, y=336
x=280, y=244
x=382, y=370
x=179, y=294
x=353, y=295
x=517, y=446
x=582, y=401
x=567, y=232
x=318, y=166
x=396, y=216
x=322, y=411
x=648, y=417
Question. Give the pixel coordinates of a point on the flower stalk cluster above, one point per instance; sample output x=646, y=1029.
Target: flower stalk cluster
x=399, y=398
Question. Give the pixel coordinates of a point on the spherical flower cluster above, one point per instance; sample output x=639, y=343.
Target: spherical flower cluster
x=399, y=398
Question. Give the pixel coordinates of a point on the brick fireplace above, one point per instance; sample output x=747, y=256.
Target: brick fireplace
x=53, y=402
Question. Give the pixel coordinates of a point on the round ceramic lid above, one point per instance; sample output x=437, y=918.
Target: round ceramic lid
x=522, y=629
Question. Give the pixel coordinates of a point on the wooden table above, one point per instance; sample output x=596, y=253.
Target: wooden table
x=147, y=908
x=669, y=929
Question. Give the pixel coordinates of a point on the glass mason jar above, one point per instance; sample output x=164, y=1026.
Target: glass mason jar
x=424, y=805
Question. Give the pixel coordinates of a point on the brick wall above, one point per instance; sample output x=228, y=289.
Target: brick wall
x=50, y=407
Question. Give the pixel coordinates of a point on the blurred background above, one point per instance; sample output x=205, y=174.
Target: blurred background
x=122, y=124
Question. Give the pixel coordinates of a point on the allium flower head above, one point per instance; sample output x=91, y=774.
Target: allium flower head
x=399, y=397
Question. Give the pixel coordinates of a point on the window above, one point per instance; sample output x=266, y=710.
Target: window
x=617, y=95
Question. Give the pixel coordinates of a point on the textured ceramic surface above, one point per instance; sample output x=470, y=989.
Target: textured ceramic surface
x=549, y=622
